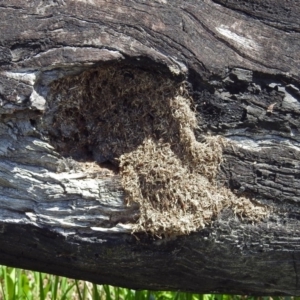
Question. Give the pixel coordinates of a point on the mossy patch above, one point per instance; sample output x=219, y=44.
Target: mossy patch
x=143, y=121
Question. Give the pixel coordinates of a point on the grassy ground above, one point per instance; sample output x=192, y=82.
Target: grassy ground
x=18, y=284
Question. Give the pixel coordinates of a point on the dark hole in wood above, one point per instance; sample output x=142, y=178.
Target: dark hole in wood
x=272, y=177
x=84, y=119
x=32, y=122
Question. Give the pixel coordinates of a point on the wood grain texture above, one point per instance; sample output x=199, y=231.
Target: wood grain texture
x=241, y=61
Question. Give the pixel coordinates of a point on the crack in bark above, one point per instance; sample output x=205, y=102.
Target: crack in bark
x=227, y=43
x=270, y=22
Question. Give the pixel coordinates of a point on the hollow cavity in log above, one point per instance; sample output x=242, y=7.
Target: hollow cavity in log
x=141, y=121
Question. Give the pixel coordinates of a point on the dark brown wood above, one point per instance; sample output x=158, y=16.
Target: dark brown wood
x=240, y=60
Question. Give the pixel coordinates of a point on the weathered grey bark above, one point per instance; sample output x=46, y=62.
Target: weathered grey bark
x=242, y=61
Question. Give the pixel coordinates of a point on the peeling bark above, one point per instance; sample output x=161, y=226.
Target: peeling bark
x=66, y=215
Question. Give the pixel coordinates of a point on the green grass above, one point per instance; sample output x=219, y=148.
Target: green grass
x=18, y=284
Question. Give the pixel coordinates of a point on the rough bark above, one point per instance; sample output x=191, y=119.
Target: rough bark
x=241, y=60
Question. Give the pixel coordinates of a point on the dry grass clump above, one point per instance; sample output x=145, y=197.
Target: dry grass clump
x=175, y=184
x=174, y=198
x=144, y=123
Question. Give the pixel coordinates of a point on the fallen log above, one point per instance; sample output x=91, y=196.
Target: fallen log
x=152, y=144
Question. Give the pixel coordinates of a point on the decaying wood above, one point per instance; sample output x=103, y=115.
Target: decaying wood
x=66, y=215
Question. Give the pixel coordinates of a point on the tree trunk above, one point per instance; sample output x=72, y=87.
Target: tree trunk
x=88, y=87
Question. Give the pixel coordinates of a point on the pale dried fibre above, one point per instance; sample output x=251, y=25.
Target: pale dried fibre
x=175, y=184
x=143, y=122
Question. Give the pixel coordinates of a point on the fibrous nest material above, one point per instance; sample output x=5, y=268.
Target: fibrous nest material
x=143, y=122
